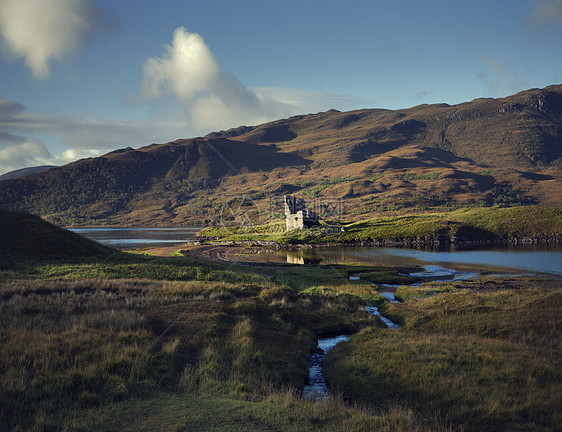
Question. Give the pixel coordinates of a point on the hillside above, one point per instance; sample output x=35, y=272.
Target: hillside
x=368, y=162
x=25, y=237
x=25, y=171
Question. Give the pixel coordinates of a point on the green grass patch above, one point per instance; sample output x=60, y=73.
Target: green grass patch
x=467, y=224
x=411, y=176
x=391, y=277
x=281, y=411
x=406, y=293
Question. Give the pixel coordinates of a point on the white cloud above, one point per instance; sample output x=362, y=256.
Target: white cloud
x=40, y=31
x=189, y=75
x=186, y=67
x=309, y=101
x=73, y=154
x=547, y=12
x=188, y=71
x=26, y=152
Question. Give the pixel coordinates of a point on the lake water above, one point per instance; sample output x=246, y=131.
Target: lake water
x=524, y=258
x=125, y=238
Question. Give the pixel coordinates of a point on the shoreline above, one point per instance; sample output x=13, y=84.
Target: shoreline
x=435, y=243
x=240, y=254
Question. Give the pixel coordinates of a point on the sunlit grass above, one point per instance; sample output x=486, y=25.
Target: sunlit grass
x=469, y=224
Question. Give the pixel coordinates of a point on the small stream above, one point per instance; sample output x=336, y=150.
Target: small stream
x=316, y=388
x=373, y=310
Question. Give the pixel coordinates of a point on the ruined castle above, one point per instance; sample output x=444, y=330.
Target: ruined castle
x=296, y=214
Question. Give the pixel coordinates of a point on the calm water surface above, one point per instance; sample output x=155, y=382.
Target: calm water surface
x=125, y=238
x=525, y=258
x=532, y=258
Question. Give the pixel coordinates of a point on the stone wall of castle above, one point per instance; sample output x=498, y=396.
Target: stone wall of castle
x=296, y=214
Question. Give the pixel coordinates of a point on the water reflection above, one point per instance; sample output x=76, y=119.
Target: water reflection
x=308, y=256
x=123, y=238
x=528, y=258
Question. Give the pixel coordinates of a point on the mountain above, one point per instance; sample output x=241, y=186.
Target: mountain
x=25, y=171
x=360, y=164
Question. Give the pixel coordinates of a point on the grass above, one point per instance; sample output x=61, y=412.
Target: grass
x=392, y=277
x=469, y=224
x=115, y=341
x=483, y=356
x=406, y=293
x=224, y=354
x=282, y=411
x=464, y=224
x=83, y=336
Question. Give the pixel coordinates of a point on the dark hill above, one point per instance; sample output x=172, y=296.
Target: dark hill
x=25, y=171
x=24, y=236
x=489, y=151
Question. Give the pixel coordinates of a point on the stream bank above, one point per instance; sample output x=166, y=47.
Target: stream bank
x=317, y=388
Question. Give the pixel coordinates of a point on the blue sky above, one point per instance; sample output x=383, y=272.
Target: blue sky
x=84, y=77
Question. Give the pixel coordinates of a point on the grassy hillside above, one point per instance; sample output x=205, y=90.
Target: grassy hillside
x=23, y=235
x=372, y=162
x=462, y=225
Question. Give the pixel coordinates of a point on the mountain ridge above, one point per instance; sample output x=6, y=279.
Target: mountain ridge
x=505, y=151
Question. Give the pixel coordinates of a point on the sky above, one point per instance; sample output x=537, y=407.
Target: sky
x=80, y=78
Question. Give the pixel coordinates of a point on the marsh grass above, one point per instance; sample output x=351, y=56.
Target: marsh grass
x=406, y=293
x=388, y=277
x=129, y=342
x=334, y=279
x=486, y=357
x=86, y=344
x=282, y=410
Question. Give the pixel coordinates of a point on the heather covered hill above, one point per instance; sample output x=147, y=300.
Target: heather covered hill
x=486, y=152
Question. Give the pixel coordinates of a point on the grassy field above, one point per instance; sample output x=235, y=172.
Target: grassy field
x=142, y=343
x=484, y=355
x=471, y=224
x=91, y=337
x=98, y=340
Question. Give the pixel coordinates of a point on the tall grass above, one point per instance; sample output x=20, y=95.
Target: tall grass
x=76, y=345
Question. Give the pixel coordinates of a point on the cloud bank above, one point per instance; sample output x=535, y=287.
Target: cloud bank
x=40, y=31
x=188, y=73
